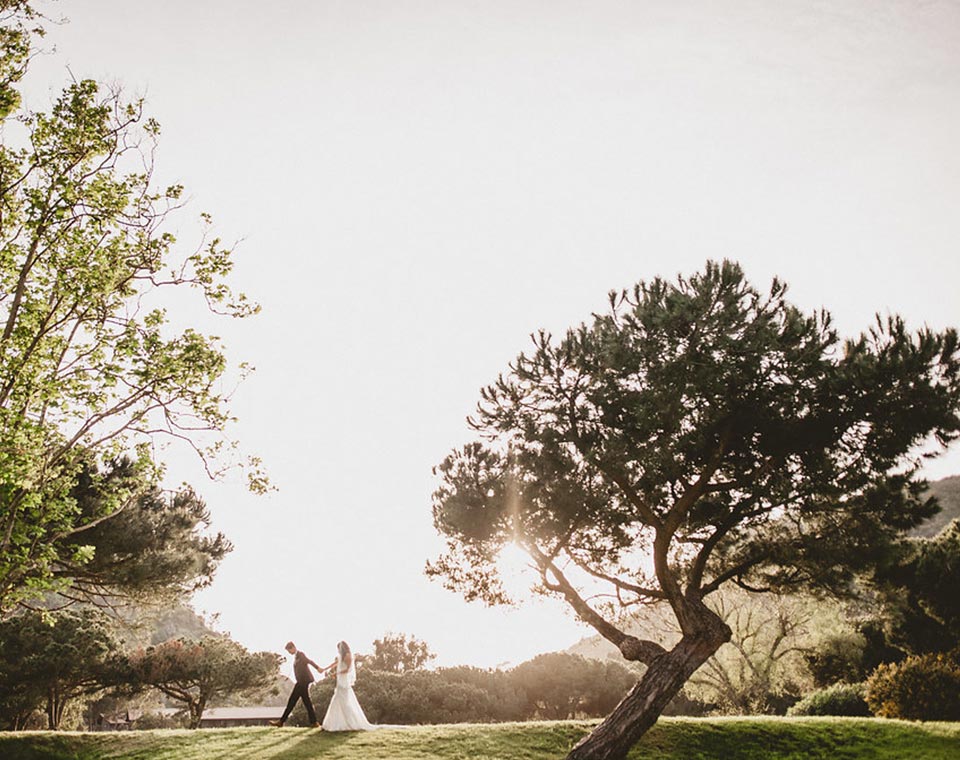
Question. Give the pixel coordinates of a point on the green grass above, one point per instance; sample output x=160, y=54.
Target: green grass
x=670, y=739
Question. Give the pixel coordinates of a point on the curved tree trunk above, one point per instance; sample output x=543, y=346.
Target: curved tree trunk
x=641, y=708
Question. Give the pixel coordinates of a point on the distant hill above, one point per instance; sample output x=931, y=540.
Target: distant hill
x=947, y=492
x=655, y=623
x=595, y=648
x=180, y=621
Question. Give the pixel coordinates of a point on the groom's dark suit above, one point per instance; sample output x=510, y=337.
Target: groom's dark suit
x=301, y=690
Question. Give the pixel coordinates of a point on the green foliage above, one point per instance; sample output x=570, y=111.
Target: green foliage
x=560, y=686
x=18, y=24
x=397, y=653
x=919, y=587
x=762, y=669
x=849, y=656
x=922, y=687
x=198, y=672
x=709, y=428
x=90, y=364
x=52, y=658
x=686, y=705
x=838, y=658
x=155, y=547
x=699, y=412
x=909, y=605
x=552, y=686
x=840, y=699
x=447, y=695
x=153, y=720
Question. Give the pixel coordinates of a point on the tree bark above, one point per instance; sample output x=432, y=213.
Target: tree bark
x=197, y=707
x=641, y=708
x=51, y=715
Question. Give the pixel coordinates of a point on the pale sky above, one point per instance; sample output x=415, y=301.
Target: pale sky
x=418, y=186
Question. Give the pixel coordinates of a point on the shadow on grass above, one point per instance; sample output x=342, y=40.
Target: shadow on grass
x=671, y=739
x=42, y=747
x=314, y=744
x=796, y=739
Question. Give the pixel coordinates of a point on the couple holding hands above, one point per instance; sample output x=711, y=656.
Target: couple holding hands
x=344, y=712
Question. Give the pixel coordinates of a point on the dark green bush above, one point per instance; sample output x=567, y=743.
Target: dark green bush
x=839, y=699
x=925, y=687
x=553, y=686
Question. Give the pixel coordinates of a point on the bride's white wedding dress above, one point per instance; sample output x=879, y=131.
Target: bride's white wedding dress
x=344, y=712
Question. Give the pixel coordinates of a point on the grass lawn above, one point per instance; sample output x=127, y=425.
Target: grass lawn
x=670, y=739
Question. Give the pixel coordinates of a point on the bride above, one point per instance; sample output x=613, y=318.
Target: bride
x=344, y=712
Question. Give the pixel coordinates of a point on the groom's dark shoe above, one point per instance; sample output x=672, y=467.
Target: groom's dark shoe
x=277, y=723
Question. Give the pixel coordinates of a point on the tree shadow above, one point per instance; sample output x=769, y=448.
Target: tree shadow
x=313, y=744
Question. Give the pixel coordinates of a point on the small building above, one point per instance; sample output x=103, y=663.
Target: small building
x=230, y=717
x=122, y=721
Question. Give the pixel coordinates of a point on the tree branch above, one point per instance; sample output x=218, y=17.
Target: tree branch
x=630, y=647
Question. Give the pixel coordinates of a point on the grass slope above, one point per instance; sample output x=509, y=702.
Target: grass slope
x=670, y=739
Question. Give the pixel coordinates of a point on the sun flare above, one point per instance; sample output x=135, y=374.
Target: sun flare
x=515, y=569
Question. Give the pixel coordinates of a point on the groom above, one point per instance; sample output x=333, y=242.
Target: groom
x=301, y=671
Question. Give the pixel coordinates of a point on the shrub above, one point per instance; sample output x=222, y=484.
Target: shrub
x=836, y=659
x=839, y=699
x=684, y=704
x=151, y=720
x=447, y=695
x=925, y=687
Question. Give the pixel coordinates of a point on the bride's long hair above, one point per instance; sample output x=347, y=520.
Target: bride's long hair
x=343, y=649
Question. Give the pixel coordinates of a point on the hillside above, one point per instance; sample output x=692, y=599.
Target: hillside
x=670, y=739
x=947, y=492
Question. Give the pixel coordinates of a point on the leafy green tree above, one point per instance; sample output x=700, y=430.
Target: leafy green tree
x=919, y=589
x=445, y=695
x=556, y=685
x=397, y=652
x=200, y=672
x=90, y=363
x=921, y=687
x=559, y=685
x=849, y=656
x=157, y=547
x=839, y=699
x=700, y=433
x=19, y=23
x=907, y=607
x=20, y=698
x=764, y=668
x=52, y=659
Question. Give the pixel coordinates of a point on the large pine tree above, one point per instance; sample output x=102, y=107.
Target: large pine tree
x=700, y=433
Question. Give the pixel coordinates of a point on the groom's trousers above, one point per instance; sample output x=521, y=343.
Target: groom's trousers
x=301, y=690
